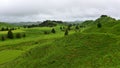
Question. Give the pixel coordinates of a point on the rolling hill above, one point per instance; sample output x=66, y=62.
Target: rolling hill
x=91, y=47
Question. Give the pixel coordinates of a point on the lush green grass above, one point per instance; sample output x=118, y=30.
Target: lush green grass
x=33, y=37
x=8, y=55
x=82, y=52
x=91, y=47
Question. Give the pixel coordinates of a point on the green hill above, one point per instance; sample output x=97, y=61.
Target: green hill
x=109, y=25
x=85, y=51
x=92, y=47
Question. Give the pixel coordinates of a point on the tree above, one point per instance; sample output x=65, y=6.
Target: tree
x=10, y=34
x=3, y=38
x=18, y=35
x=53, y=30
x=99, y=25
x=66, y=32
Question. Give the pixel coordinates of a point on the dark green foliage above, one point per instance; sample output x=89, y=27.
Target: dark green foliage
x=60, y=28
x=10, y=34
x=46, y=32
x=104, y=16
x=2, y=29
x=7, y=29
x=18, y=35
x=77, y=27
x=53, y=30
x=99, y=25
x=18, y=27
x=3, y=38
x=66, y=32
x=24, y=35
x=48, y=23
x=12, y=29
x=69, y=26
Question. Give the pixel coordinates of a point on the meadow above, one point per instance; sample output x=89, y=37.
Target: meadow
x=89, y=47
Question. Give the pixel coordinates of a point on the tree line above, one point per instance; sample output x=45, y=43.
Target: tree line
x=47, y=23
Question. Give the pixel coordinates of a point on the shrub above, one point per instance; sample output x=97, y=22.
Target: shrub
x=53, y=30
x=60, y=28
x=69, y=26
x=77, y=27
x=2, y=29
x=45, y=32
x=7, y=29
x=66, y=32
x=99, y=25
x=18, y=35
x=3, y=38
x=10, y=34
x=24, y=35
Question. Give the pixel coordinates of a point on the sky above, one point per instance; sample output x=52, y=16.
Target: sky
x=65, y=10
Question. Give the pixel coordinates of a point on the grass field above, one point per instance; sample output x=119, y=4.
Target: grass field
x=90, y=47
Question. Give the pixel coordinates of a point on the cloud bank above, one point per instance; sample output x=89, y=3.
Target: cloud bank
x=66, y=10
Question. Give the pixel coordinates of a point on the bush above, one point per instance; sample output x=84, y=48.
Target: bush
x=45, y=32
x=69, y=26
x=3, y=38
x=53, y=30
x=77, y=27
x=99, y=25
x=24, y=35
x=2, y=29
x=66, y=32
x=18, y=35
x=10, y=34
x=60, y=28
x=7, y=29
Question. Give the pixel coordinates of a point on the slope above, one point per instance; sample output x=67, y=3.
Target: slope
x=80, y=50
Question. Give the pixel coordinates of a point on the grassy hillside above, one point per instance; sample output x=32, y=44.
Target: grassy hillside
x=82, y=52
x=90, y=47
x=109, y=25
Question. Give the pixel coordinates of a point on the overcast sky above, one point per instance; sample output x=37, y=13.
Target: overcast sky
x=66, y=10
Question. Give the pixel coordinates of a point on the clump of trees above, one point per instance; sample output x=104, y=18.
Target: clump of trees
x=104, y=16
x=6, y=29
x=47, y=23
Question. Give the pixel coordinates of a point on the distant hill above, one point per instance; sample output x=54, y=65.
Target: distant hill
x=4, y=24
x=26, y=23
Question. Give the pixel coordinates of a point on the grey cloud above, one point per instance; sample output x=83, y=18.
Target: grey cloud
x=34, y=10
